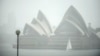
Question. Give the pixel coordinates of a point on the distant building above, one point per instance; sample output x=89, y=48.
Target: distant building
x=71, y=33
x=9, y=27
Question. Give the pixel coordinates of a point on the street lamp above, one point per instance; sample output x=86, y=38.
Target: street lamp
x=17, y=33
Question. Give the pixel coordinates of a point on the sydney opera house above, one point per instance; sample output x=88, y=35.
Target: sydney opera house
x=71, y=34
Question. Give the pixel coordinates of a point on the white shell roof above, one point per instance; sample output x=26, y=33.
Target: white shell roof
x=73, y=16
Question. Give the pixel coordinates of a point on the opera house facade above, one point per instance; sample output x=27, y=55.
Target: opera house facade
x=71, y=34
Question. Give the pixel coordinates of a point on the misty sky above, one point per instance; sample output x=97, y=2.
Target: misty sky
x=15, y=13
x=18, y=12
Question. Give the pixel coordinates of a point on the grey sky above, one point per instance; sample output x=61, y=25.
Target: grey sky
x=25, y=10
x=15, y=13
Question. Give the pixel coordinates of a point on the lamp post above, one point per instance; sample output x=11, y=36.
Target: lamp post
x=17, y=33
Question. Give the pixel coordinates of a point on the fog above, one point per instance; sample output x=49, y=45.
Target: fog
x=25, y=10
x=15, y=13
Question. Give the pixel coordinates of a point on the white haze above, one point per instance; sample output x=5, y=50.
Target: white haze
x=23, y=11
x=15, y=13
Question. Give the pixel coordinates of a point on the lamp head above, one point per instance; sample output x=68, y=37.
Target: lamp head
x=17, y=32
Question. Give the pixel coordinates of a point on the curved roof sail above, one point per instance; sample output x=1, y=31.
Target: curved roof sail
x=28, y=30
x=74, y=17
x=34, y=26
x=44, y=22
x=66, y=28
x=72, y=20
x=41, y=25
